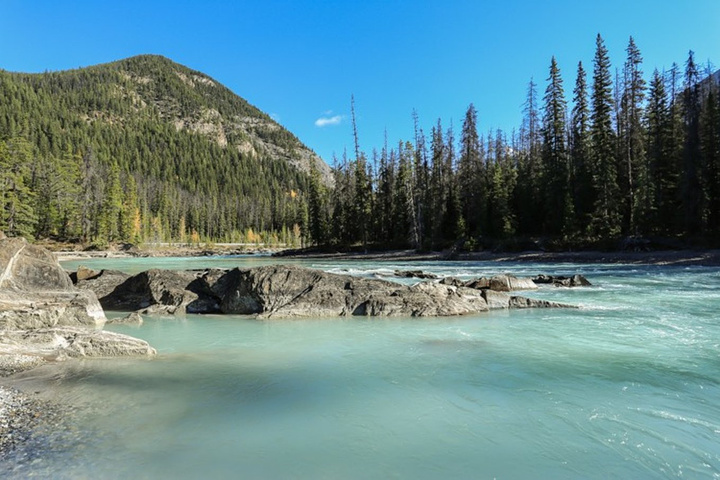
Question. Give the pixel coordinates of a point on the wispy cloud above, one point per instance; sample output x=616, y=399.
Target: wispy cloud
x=325, y=121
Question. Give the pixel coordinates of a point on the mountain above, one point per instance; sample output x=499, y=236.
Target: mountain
x=198, y=153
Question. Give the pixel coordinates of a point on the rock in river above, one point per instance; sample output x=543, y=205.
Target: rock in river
x=36, y=292
x=44, y=317
x=285, y=291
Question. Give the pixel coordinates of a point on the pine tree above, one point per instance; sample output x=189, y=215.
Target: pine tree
x=17, y=217
x=404, y=216
x=503, y=177
x=635, y=187
x=317, y=212
x=473, y=186
x=530, y=166
x=661, y=174
x=453, y=223
x=605, y=219
x=580, y=160
x=362, y=208
x=384, y=203
x=437, y=191
x=710, y=143
x=46, y=183
x=692, y=189
x=554, y=175
x=128, y=231
x=676, y=146
x=71, y=173
x=110, y=213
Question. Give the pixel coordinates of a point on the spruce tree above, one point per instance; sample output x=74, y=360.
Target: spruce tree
x=605, y=219
x=710, y=143
x=17, y=216
x=635, y=187
x=473, y=186
x=384, y=203
x=111, y=209
x=530, y=166
x=662, y=176
x=692, y=189
x=317, y=213
x=580, y=149
x=554, y=177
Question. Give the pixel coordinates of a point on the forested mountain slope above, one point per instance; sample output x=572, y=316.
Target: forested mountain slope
x=198, y=158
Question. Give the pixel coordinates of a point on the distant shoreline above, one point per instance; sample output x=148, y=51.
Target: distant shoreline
x=701, y=257
x=659, y=257
x=165, y=251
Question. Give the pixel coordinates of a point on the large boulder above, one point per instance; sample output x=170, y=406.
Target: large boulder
x=424, y=300
x=156, y=291
x=290, y=291
x=26, y=310
x=29, y=268
x=36, y=292
x=101, y=282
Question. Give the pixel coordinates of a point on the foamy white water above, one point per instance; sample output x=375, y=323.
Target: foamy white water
x=625, y=387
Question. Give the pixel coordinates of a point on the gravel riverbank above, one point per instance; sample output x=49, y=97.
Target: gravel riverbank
x=21, y=417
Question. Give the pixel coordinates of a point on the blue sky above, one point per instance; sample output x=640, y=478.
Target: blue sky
x=300, y=61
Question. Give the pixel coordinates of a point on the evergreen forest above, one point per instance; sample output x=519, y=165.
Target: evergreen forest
x=144, y=150
x=623, y=163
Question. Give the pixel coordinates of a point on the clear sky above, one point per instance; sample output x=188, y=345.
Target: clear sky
x=301, y=61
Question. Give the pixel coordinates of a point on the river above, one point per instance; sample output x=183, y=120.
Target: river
x=628, y=386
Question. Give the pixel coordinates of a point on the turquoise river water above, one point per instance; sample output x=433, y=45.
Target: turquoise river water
x=628, y=386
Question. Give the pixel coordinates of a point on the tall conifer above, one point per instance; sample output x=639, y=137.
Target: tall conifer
x=605, y=219
x=580, y=160
x=554, y=178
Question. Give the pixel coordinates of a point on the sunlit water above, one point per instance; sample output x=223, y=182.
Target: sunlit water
x=628, y=386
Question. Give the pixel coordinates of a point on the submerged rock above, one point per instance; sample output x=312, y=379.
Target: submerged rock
x=133, y=318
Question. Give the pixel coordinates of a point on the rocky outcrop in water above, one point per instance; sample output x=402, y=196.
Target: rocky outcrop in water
x=156, y=291
x=574, y=281
x=36, y=292
x=103, y=281
x=498, y=283
x=415, y=274
x=44, y=317
x=510, y=283
x=290, y=291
